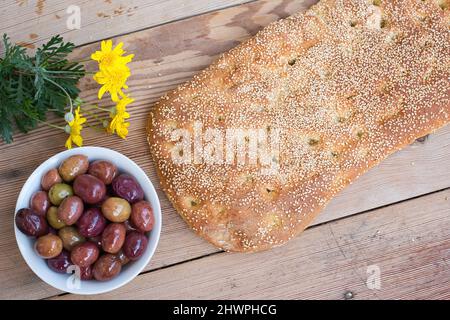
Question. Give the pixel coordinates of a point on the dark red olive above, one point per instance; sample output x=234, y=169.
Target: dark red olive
x=70, y=210
x=135, y=245
x=104, y=170
x=31, y=223
x=84, y=254
x=142, y=216
x=86, y=273
x=40, y=202
x=107, y=267
x=113, y=237
x=89, y=188
x=126, y=187
x=91, y=223
x=60, y=263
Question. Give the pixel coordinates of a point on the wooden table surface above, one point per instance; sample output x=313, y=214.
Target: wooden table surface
x=395, y=219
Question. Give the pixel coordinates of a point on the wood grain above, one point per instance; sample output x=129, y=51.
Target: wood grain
x=32, y=22
x=408, y=242
x=166, y=56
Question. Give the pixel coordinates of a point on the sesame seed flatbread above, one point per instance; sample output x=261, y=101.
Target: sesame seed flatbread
x=339, y=87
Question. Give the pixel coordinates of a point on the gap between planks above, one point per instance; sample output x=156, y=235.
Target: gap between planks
x=323, y=263
x=309, y=228
x=31, y=25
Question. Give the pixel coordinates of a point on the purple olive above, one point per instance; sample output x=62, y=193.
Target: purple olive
x=126, y=187
x=60, y=263
x=89, y=188
x=31, y=223
x=135, y=245
x=91, y=223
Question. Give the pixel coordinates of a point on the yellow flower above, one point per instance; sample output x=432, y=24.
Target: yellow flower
x=122, y=129
x=74, y=129
x=108, y=57
x=118, y=124
x=113, y=80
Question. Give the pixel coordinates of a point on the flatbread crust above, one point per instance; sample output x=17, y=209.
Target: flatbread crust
x=345, y=84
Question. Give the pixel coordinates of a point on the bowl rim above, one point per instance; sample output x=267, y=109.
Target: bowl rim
x=125, y=161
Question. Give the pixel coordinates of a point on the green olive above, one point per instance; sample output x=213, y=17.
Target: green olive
x=59, y=192
x=116, y=209
x=70, y=237
x=53, y=220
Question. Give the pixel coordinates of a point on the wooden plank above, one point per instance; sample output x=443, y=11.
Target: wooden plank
x=32, y=22
x=405, y=174
x=407, y=243
x=166, y=56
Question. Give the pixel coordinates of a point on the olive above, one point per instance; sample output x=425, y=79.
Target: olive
x=53, y=220
x=104, y=170
x=107, y=267
x=48, y=246
x=30, y=223
x=91, y=223
x=126, y=187
x=116, y=209
x=135, y=245
x=89, y=188
x=40, y=202
x=50, y=178
x=142, y=216
x=73, y=167
x=84, y=254
x=86, y=273
x=122, y=257
x=113, y=237
x=70, y=237
x=70, y=210
x=59, y=192
x=60, y=263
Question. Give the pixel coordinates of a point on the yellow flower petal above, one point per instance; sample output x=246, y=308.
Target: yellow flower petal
x=68, y=144
x=75, y=130
x=118, y=49
x=101, y=92
x=106, y=45
x=78, y=140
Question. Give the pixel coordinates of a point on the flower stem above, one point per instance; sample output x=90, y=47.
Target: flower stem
x=99, y=108
x=50, y=124
x=64, y=90
x=97, y=118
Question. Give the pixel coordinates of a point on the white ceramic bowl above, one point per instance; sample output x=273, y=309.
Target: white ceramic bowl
x=67, y=282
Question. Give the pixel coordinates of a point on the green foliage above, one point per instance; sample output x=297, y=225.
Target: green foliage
x=31, y=86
